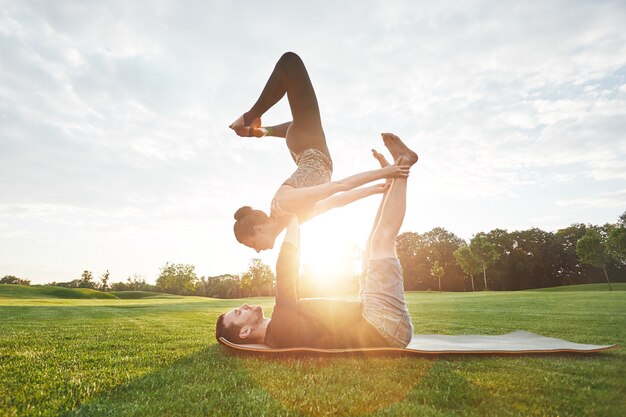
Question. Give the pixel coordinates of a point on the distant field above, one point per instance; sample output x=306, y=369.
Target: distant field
x=620, y=286
x=157, y=357
x=47, y=291
x=133, y=295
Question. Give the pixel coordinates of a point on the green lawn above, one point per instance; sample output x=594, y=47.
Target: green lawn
x=158, y=357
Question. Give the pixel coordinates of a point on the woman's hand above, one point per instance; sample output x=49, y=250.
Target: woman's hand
x=254, y=130
x=396, y=171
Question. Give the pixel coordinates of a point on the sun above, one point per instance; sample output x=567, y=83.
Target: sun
x=328, y=252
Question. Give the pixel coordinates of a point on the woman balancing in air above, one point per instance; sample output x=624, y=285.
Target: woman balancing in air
x=308, y=192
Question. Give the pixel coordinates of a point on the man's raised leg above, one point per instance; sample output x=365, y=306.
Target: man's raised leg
x=368, y=244
x=384, y=305
x=383, y=239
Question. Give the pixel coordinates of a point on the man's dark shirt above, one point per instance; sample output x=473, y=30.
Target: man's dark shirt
x=315, y=322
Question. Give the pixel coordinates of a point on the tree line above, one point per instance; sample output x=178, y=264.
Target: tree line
x=179, y=279
x=517, y=260
x=437, y=260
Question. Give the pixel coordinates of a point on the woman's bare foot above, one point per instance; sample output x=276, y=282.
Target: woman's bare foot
x=401, y=153
x=254, y=130
x=238, y=124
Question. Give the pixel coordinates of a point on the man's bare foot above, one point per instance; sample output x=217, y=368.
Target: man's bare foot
x=401, y=153
x=381, y=158
x=382, y=161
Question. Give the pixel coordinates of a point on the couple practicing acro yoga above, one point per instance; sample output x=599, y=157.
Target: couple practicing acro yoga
x=380, y=318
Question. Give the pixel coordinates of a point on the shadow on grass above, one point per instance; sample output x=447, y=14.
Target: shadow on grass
x=205, y=383
x=218, y=381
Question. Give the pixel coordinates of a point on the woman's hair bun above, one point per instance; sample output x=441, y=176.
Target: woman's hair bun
x=242, y=212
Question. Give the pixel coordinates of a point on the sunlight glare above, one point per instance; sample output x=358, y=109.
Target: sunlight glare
x=331, y=250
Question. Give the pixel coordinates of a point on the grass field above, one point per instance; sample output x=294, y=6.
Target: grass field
x=158, y=357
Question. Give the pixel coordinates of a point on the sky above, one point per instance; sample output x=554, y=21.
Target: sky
x=115, y=152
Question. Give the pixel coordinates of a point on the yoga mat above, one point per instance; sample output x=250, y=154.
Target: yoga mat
x=518, y=342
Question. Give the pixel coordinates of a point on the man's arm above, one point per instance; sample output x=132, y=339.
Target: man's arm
x=288, y=265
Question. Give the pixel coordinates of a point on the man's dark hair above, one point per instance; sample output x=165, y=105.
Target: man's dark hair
x=230, y=333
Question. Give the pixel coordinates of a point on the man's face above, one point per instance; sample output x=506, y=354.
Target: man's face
x=245, y=315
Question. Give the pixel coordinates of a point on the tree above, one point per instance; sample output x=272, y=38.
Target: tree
x=468, y=262
x=408, y=246
x=616, y=240
x=221, y=286
x=417, y=253
x=440, y=245
x=135, y=282
x=528, y=259
x=104, y=281
x=69, y=284
x=485, y=252
x=568, y=268
x=179, y=279
x=591, y=249
x=259, y=279
x=437, y=272
x=86, y=280
x=12, y=279
x=118, y=286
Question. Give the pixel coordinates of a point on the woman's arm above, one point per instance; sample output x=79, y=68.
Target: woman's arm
x=293, y=200
x=342, y=199
x=280, y=131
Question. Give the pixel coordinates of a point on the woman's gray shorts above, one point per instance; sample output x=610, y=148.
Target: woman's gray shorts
x=382, y=295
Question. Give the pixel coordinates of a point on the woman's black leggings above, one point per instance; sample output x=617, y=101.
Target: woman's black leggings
x=290, y=76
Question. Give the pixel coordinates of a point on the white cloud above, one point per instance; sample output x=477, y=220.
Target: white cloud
x=614, y=199
x=113, y=115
